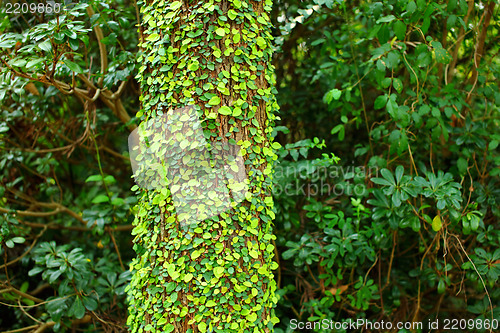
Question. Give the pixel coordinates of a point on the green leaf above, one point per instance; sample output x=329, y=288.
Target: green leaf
x=336, y=93
x=462, y=165
x=73, y=66
x=400, y=29
x=442, y=54
x=474, y=222
x=436, y=223
x=19, y=240
x=172, y=272
x=7, y=44
x=202, y=327
x=441, y=286
x=45, y=46
x=225, y=110
x=109, y=179
x=188, y=277
x=215, y=100
x=386, y=82
x=232, y=14
x=93, y=178
x=175, y=5
x=380, y=102
x=237, y=112
x=397, y=84
x=90, y=303
x=153, y=37
x=218, y=271
x=100, y=198
x=261, y=42
x=34, y=62
x=399, y=173
x=18, y=62
x=276, y=145
x=252, y=317
x=77, y=309
x=381, y=181
x=254, y=254
x=388, y=176
x=54, y=276
x=220, y=32
x=411, y=7
x=35, y=271
x=195, y=255
x=385, y=19
x=332, y=94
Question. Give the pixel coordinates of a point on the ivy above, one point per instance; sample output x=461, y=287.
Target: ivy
x=214, y=275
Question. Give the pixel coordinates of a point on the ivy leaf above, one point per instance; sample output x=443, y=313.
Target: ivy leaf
x=261, y=42
x=153, y=37
x=175, y=5
x=202, y=327
x=224, y=110
x=218, y=271
x=195, y=255
x=188, y=277
x=276, y=145
x=215, y=100
x=236, y=112
x=232, y=14
x=220, y=32
x=252, y=317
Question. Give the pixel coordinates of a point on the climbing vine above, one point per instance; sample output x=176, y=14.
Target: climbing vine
x=213, y=58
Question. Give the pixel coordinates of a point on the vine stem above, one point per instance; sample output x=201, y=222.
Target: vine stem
x=480, y=277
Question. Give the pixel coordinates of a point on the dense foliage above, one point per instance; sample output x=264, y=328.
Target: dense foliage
x=386, y=191
x=406, y=227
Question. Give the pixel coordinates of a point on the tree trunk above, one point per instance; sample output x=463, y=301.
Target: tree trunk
x=212, y=60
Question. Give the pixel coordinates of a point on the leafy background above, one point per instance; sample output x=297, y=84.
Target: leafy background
x=392, y=105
